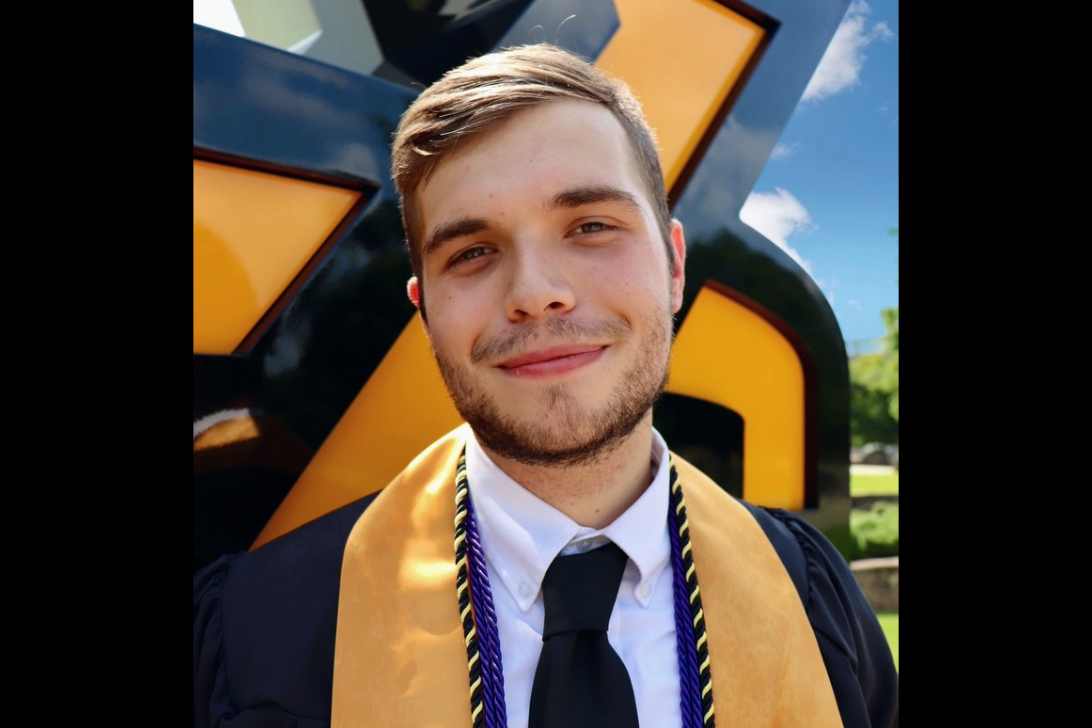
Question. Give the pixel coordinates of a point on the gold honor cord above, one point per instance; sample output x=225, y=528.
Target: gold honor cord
x=462, y=587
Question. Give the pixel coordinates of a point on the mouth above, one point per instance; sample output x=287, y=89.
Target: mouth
x=555, y=360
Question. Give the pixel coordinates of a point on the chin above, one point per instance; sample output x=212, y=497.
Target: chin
x=561, y=438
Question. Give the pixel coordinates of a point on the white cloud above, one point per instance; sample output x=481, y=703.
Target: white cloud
x=840, y=67
x=784, y=151
x=778, y=215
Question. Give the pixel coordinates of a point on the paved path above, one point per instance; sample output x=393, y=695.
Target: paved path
x=861, y=469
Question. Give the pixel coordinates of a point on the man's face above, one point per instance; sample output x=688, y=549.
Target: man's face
x=549, y=295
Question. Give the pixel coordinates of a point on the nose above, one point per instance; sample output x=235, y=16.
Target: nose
x=540, y=285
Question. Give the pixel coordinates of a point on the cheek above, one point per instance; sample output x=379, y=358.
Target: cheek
x=455, y=322
x=639, y=283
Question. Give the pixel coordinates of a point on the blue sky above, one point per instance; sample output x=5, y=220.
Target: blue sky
x=829, y=194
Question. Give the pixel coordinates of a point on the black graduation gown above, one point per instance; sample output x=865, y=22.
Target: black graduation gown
x=264, y=623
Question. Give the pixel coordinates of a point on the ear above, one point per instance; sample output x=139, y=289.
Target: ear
x=678, y=278
x=413, y=290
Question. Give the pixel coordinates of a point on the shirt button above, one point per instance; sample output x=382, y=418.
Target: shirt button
x=525, y=589
x=646, y=589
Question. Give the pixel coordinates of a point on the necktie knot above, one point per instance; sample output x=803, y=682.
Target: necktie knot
x=579, y=590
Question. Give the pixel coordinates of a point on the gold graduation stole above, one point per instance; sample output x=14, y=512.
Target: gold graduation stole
x=400, y=657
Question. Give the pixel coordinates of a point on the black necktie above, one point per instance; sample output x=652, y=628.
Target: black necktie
x=581, y=681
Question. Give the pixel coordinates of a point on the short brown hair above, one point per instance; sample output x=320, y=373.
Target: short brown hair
x=486, y=91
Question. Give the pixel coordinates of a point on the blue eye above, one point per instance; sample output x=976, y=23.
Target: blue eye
x=470, y=254
x=590, y=228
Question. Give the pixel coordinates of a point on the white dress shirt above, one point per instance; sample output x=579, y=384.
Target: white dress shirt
x=521, y=535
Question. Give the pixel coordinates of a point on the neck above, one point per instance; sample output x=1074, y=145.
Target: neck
x=594, y=493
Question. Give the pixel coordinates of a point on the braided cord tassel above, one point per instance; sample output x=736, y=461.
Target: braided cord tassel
x=481, y=596
x=689, y=683
x=683, y=564
x=462, y=586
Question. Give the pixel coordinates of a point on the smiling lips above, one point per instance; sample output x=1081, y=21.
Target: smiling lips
x=555, y=360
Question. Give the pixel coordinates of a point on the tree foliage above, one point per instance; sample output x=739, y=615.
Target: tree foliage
x=889, y=378
x=890, y=382
x=874, y=386
x=870, y=403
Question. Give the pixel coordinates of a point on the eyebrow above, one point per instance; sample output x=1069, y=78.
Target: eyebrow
x=579, y=196
x=565, y=200
x=454, y=229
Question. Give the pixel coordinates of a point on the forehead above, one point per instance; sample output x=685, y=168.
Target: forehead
x=533, y=155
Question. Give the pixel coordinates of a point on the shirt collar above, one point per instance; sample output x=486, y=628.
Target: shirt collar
x=521, y=534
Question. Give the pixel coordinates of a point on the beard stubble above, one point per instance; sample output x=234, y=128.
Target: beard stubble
x=566, y=432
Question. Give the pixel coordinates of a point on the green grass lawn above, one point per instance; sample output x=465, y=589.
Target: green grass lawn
x=890, y=623
x=884, y=484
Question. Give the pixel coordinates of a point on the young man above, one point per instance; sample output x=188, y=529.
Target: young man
x=547, y=271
